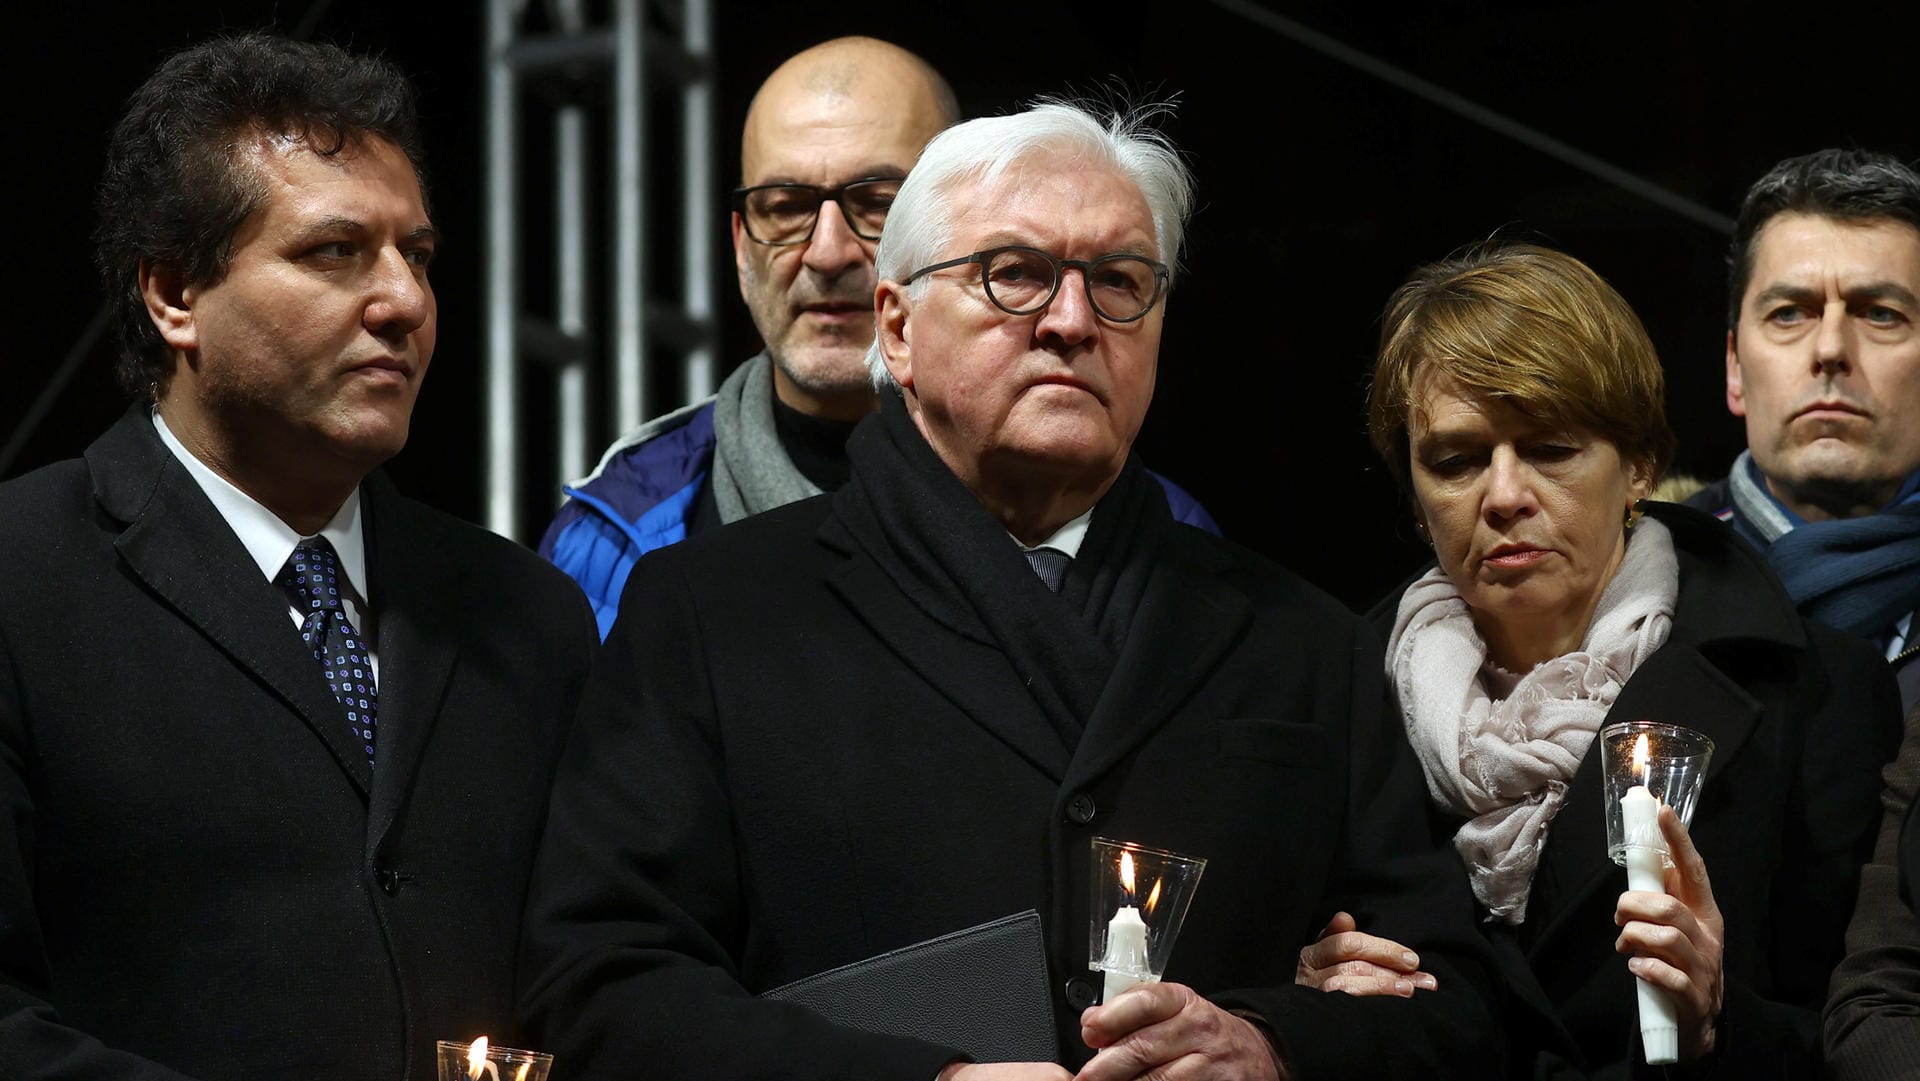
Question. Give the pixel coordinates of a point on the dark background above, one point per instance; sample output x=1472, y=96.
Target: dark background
x=1320, y=188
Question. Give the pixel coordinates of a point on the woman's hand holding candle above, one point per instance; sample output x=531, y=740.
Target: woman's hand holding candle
x=1344, y=959
x=1676, y=939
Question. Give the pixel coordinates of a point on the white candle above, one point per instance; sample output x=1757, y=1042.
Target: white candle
x=1125, y=964
x=478, y=1063
x=1645, y=852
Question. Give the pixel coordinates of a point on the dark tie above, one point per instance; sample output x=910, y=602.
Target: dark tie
x=1050, y=564
x=312, y=581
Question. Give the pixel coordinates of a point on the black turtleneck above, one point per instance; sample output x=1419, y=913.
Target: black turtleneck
x=817, y=445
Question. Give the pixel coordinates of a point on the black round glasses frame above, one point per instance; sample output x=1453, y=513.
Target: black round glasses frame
x=1161, y=275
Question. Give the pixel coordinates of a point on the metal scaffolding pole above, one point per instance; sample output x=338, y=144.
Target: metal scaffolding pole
x=502, y=361
x=627, y=64
x=570, y=267
x=702, y=186
x=630, y=219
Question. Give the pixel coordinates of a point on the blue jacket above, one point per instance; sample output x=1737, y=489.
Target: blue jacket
x=640, y=496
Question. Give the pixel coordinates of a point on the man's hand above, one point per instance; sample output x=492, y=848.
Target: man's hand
x=1004, y=1071
x=1161, y=1030
x=1676, y=940
x=1343, y=959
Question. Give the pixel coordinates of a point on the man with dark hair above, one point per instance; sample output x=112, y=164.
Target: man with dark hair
x=1823, y=362
x=275, y=741
x=827, y=140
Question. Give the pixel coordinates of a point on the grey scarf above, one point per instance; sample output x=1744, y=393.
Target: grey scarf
x=751, y=470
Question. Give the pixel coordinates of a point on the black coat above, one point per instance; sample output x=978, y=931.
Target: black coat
x=783, y=765
x=1802, y=717
x=199, y=868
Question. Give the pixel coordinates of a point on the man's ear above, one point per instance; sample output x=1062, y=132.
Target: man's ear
x=891, y=325
x=169, y=303
x=741, y=241
x=1736, y=394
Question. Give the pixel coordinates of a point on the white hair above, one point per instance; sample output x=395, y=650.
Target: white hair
x=920, y=223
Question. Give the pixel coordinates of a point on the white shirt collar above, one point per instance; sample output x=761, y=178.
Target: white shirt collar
x=267, y=539
x=1066, y=539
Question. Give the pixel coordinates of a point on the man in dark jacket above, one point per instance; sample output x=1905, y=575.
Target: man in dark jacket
x=275, y=741
x=1823, y=362
x=869, y=719
x=828, y=139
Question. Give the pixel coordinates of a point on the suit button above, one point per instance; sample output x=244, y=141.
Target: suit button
x=1080, y=993
x=1080, y=808
x=389, y=880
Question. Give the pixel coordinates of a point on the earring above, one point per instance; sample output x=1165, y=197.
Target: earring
x=1632, y=515
x=1426, y=538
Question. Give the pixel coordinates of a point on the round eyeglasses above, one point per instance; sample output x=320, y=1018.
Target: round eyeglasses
x=1021, y=281
x=783, y=214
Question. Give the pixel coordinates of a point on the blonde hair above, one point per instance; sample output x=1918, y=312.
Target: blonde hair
x=1528, y=326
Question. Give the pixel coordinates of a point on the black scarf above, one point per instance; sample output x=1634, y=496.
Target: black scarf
x=955, y=562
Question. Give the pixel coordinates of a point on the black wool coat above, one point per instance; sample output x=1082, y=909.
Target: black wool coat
x=1802, y=717
x=782, y=765
x=199, y=873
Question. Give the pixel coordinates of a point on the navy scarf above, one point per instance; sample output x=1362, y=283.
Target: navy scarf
x=1857, y=574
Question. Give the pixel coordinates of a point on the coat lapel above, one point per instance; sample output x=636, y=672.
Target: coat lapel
x=972, y=674
x=186, y=554
x=414, y=593
x=1677, y=685
x=1187, y=620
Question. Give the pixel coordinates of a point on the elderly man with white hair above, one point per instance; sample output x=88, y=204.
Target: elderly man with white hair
x=869, y=719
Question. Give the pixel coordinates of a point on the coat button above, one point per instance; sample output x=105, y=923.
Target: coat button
x=1080, y=808
x=389, y=880
x=1081, y=993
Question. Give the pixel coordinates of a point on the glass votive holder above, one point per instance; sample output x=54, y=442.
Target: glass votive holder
x=478, y=1061
x=1140, y=898
x=1668, y=762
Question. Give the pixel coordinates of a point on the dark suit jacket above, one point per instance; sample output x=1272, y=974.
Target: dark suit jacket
x=1801, y=717
x=783, y=765
x=1872, y=1025
x=198, y=871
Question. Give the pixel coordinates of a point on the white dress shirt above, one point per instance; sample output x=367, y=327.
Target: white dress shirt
x=271, y=541
x=1066, y=539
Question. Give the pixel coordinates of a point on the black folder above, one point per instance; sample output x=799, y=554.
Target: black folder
x=982, y=990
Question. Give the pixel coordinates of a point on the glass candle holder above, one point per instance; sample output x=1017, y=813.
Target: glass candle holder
x=1140, y=898
x=1667, y=761
x=479, y=1061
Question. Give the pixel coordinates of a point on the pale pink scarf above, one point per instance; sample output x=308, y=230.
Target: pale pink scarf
x=1504, y=763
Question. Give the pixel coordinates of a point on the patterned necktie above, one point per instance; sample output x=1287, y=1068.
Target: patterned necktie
x=311, y=579
x=1050, y=564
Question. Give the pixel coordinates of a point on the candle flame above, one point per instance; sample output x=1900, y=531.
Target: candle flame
x=1640, y=758
x=1153, y=896
x=521, y=1075
x=1126, y=874
x=477, y=1057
